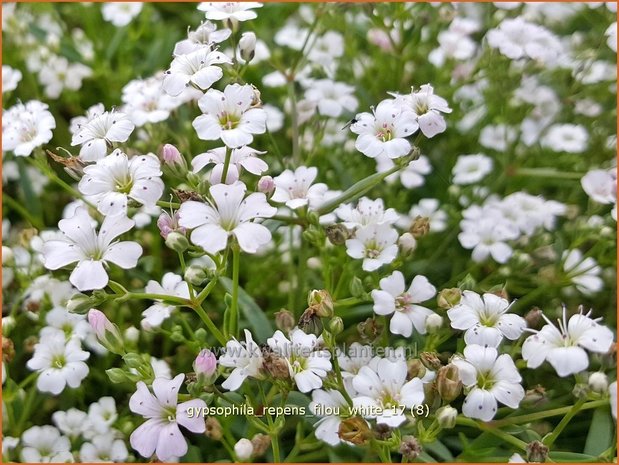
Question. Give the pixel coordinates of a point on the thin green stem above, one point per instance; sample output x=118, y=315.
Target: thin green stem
x=206, y=291
x=210, y=325
x=550, y=439
x=25, y=214
x=521, y=419
x=296, y=154
x=224, y=173
x=546, y=173
x=234, y=306
x=492, y=430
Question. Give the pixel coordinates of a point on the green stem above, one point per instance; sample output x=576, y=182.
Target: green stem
x=25, y=214
x=206, y=291
x=546, y=173
x=164, y=204
x=492, y=430
x=296, y=154
x=210, y=325
x=224, y=173
x=518, y=420
x=234, y=306
x=25, y=414
x=550, y=439
x=162, y=297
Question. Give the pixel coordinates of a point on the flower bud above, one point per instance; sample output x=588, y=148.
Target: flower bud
x=382, y=432
x=275, y=366
x=416, y=369
x=167, y=224
x=336, y=326
x=314, y=263
x=410, y=448
x=177, y=242
x=310, y=322
x=321, y=302
x=243, y=449
x=446, y=417
x=261, y=443
x=8, y=323
x=107, y=332
x=195, y=275
x=284, y=320
x=537, y=452
x=213, y=429
x=534, y=317
x=337, y=234
x=173, y=160
x=354, y=430
x=205, y=364
x=420, y=227
x=356, y=287
x=448, y=383
x=8, y=350
x=468, y=283
x=266, y=185
x=7, y=255
x=370, y=329
x=132, y=334
x=79, y=303
x=430, y=360
x=407, y=243
x=433, y=323
x=598, y=382
x=247, y=46
x=449, y=298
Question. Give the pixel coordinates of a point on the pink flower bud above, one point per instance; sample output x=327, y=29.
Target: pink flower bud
x=99, y=322
x=171, y=155
x=168, y=224
x=205, y=363
x=266, y=185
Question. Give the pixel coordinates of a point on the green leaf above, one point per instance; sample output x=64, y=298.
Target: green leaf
x=258, y=321
x=572, y=457
x=600, y=435
x=440, y=450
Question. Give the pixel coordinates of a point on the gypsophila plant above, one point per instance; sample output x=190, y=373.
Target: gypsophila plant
x=330, y=232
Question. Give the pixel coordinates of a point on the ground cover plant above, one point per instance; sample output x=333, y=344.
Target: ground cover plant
x=309, y=232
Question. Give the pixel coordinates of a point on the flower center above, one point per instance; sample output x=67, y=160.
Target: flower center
x=228, y=120
x=58, y=361
x=123, y=184
x=372, y=250
x=485, y=380
x=403, y=301
x=299, y=364
x=169, y=413
x=385, y=132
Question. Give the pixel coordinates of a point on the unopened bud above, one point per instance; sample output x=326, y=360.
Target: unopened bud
x=356, y=287
x=284, y=320
x=213, y=429
x=132, y=334
x=416, y=369
x=336, y=325
x=195, y=275
x=247, y=46
x=79, y=303
x=177, y=242
x=410, y=447
x=243, y=449
x=598, y=382
x=107, y=332
x=534, y=317
x=310, y=322
x=173, y=160
x=407, y=243
x=337, y=234
x=321, y=302
x=468, y=283
x=8, y=350
x=354, y=430
x=8, y=323
x=7, y=255
x=205, y=364
x=370, y=329
x=420, y=227
x=446, y=417
x=537, y=452
x=449, y=298
x=168, y=224
x=275, y=366
x=448, y=382
x=382, y=432
x=430, y=360
x=266, y=185
x=434, y=322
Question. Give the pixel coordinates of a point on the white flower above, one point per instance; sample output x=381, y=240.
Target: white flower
x=325, y=49
x=426, y=208
x=375, y=244
x=59, y=363
x=428, y=108
x=497, y=137
x=115, y=179
x=90, y=249
x=228, y=214
x=612, y=392
x=564, y=348
x=487, y=237
x=10, y=78
x=611, y=33
x=197, y=68
x=242, y=157
x=205, y=35
x=470, y=169
x=78, y=121
x=393, y=298
x=236, y=11
x=160, y=434
x=101, y=131
x=44, y=444
x=384, y=131
x=120, y=13
x=296, y=188
x=489, y=378
x=58, y=74
x=307, y=364
x=485, y=320
x=412, y=176
x=327, y=428
x=26, y=127
x=72, y=422
x=384, y=390
x=332, y=98
x=101, y=415
x=106, y=448
x=172, y=285
x=583, y=272
x=245, y=358
x=366, y=212
x=571, y=138
x=601, y=185
x=358, y=355
x=229, y=116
